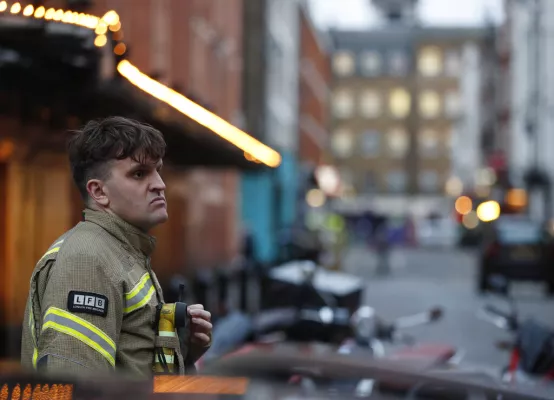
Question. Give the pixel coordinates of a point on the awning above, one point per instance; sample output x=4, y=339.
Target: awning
x=188, y=143
x=57, y=58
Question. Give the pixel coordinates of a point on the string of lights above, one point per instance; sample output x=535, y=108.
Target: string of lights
x=254, y=150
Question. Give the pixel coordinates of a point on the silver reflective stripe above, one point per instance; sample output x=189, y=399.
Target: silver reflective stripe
x=65, y=322
x=140, y=295
x=167, y=334
x=168, y=359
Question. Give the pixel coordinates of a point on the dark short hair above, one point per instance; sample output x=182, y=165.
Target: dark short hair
x=92, y=148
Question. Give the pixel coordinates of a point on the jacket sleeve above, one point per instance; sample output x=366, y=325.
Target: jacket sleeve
x=81, y=319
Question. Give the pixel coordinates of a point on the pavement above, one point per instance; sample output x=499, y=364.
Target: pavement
x=424, y=278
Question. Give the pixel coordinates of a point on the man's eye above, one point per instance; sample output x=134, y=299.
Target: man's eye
x=139, y=174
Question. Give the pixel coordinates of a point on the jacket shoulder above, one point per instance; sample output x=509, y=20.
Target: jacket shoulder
x=85, y=246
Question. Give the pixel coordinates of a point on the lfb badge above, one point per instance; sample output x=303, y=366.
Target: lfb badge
x=88, y=303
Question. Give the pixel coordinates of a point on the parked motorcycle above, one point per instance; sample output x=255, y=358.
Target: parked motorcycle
x=315, y=321
x=532, y=348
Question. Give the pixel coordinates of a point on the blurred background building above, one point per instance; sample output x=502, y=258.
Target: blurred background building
x=405, y=112
x=271, y=76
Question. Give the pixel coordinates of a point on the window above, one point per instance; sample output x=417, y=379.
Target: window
x=429, y=104
x=342, y=143
x=428, y=181
x=397, y=142
x=428, y=143
x=343, y=103
x=370, y=63
x=452, y=63
x=452, y=104
x=429, y=61
x=396, y=181
x=343, y=63
x=370, y=145
x=398, y=63
x=399, y=103
x=370, y=103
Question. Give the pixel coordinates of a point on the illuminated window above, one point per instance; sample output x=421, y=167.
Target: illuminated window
x=429, y=61
x=397, y=142
x=428, y=143
x=429, y=104
x=343, y=63
x=342, y=143
x=428, y=181
x=452, y=104
x=343, y=103
x=399, y=103
x=396, y=181
x=370, y=143
x=370, y=103
x=370, y=63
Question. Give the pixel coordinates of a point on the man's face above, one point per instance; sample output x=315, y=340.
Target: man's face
x=135, y=192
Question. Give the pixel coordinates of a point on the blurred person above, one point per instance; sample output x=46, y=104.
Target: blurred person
x=93, y=296
x=382, y=246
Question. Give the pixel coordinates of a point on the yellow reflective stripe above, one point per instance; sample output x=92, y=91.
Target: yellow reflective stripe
x=140, y=294
x=80, y=321
x=35, y=357
x=32, y=323
x=54, y=250
x=57, y=243
x=65, y=322
x=138, y=286
x=142, y=302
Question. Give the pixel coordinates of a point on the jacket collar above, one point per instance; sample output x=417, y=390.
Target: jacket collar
x=130, y=235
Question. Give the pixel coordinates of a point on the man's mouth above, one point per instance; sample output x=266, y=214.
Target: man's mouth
x=158, y=200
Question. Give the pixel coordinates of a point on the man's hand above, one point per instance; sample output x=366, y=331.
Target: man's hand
x=201, y=327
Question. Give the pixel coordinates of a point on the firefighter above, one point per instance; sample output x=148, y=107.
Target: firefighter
x=93, y=295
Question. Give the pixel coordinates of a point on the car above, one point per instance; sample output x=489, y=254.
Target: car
x=516, y=248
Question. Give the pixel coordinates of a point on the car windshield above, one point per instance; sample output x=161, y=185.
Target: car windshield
x=518, y=231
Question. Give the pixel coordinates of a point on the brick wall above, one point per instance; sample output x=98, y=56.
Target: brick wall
x=314, y=80
x=195, y=47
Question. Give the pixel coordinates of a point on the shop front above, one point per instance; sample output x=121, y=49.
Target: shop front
x=54, y=76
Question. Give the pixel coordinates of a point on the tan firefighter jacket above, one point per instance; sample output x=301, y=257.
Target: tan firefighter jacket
x=92, y=303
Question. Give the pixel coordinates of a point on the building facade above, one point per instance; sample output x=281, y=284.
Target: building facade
x=314, y=92
x=404, y=112
x=271, y=101
x=529, y=143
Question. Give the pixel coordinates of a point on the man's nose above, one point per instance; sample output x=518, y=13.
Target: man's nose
x=158, y=184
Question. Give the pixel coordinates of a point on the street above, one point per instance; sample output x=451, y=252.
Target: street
x=423, y=278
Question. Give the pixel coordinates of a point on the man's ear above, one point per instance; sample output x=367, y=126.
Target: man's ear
x=95, y=189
